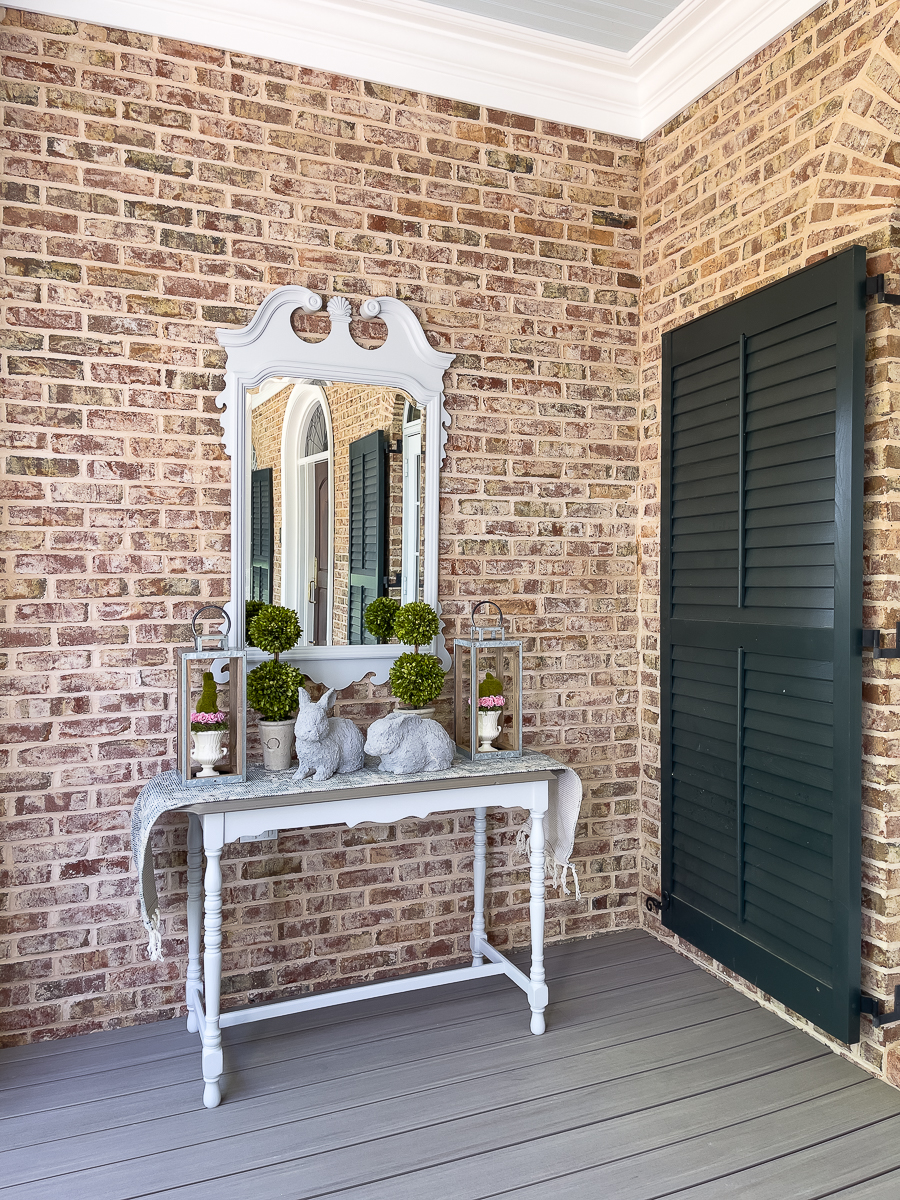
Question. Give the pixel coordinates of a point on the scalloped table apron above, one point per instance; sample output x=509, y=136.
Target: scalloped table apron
x=269, y=801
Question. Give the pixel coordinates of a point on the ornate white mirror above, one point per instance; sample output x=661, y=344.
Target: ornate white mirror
x=336, y=452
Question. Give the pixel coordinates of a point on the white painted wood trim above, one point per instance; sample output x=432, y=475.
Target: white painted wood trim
x=406, y=360
x=424, y=47
x=365, y=991
x=381, y=809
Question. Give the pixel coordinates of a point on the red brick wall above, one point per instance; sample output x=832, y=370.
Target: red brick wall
x=154, y=191
x=791, y=158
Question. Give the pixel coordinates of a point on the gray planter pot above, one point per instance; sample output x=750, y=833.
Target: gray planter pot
x=277, y=739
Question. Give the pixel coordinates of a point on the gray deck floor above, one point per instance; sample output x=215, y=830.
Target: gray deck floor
x=652, y=1080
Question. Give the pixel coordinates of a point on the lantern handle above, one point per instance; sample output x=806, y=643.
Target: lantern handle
x=198, y=635
x=489, y=632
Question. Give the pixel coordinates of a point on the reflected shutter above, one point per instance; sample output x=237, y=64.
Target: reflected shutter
x=367, y=482
x=262, y=538
x=761, y=660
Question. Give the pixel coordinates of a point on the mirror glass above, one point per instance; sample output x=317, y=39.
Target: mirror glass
x=336, y=501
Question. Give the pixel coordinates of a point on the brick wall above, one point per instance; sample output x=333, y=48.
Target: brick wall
x=792, y=157
x=153, y=191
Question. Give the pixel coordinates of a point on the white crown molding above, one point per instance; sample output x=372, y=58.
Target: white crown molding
x=699, y=44
x=440, y=51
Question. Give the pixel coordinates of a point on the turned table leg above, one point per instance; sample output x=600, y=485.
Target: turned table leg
x=479, y=932
x=538, y=997
x=194, y=983
x=213, y=840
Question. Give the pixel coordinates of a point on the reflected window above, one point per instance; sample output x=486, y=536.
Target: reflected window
x=317, y=434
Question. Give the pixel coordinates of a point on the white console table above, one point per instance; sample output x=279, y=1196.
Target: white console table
x=366, y=797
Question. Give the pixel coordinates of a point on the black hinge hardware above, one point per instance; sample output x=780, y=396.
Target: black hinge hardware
x=869, y=1004
x=875, y=287
x=871, y=640
x=658, y=906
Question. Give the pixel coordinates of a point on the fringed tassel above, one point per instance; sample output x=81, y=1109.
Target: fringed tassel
x=555, y=872
x=154, y=942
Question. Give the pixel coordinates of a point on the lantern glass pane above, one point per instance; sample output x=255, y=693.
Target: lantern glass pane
x=488, y=697
x=462, y=692
x=214, y=749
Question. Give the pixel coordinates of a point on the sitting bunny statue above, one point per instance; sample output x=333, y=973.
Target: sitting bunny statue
x=325, y=745
x=406, y=743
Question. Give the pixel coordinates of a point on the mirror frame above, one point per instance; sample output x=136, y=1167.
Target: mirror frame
x=269, y=346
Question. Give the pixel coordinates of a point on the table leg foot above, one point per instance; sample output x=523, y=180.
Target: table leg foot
x=193, y=1025
x=538, y=1024
x=212, y=1095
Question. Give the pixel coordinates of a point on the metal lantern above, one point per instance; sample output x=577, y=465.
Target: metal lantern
x=221, y=754
x=487, y=668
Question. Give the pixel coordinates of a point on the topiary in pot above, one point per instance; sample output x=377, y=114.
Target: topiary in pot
x=416, y=678
x=416, y=624
x=379, y=617
x=273, y=688
x=275, y=629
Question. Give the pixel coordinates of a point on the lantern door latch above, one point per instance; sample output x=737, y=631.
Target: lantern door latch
x=875, y=287
x=871, y=640
x=869, y=1004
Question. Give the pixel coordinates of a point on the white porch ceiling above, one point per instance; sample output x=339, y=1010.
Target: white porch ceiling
x=443, y=50
x=596, y=22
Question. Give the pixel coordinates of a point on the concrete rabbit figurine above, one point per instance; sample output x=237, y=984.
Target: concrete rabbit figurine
x=325, y=745
x=406, y=743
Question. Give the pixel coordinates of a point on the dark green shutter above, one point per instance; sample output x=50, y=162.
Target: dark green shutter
x=761, y=613
x=262, y=535
x=367, y=476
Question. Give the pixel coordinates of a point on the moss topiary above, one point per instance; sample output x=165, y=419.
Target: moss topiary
x=273, y=689
x=379, y=617
x=417, y=679
x=490, y=686
x=416, y=624
x=207, y=717
x=275, y=629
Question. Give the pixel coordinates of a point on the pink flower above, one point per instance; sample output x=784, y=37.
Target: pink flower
x=490, y=701
x=215, y=718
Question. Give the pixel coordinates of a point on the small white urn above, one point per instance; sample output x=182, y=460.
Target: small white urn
x=277, y=739
x=206, y=749
x=488, y=727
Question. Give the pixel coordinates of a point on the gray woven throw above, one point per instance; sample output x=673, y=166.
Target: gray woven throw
x=166, y=793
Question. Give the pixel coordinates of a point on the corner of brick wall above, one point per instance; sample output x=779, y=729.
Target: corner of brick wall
x=790, y=158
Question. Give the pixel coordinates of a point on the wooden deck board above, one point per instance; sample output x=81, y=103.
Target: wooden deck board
x=653, y=1079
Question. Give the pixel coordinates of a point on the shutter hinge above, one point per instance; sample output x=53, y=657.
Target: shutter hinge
x=658, y=906
x=869, y=1004
x=871, y=640
x=875, y=287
